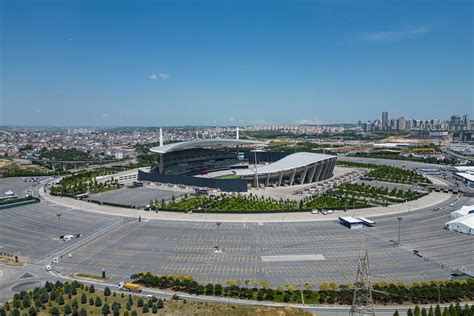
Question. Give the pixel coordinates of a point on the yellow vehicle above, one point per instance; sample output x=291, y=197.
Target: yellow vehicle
x=129, y=287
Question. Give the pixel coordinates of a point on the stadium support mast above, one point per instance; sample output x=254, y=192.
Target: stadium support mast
x=162, y=160
x=237, y=137
x=161, y=137
x=362, y=303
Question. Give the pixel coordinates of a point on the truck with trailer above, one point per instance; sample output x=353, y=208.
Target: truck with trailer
x=124, y=286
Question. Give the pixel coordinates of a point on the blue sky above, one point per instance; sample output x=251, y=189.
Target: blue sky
x=157, y=63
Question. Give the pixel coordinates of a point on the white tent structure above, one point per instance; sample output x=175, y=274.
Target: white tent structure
x=464, y=224
x=463, y=211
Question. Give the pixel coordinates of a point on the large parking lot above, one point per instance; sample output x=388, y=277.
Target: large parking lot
x=32, y=230
x=137, y=197
x=20, y=187
x=188, y=248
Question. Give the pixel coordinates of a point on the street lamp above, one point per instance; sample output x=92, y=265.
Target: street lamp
x=59, y=224
x=399, y=226
x=256, y=170
x=218, y=249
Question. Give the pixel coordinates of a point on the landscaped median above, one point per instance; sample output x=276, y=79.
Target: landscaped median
x=341, y=197
x=386, y=173
x=329, y=293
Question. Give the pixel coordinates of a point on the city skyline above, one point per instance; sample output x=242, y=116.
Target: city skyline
x=209, y=63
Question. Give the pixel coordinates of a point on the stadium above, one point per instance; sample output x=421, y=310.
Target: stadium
x=219, y=163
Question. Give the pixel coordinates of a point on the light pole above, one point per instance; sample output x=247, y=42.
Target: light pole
x=59, y=224
x=256, y=170
x=399, y=226
x=218, y=249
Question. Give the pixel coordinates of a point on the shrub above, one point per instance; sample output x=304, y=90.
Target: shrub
x=145, y=308
x=92, y=289
x=140, y=302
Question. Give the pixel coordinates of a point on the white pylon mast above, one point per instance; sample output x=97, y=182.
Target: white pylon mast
x=161, y=137
x=237, y=133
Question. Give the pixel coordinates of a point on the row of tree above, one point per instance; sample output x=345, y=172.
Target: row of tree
x=451, y=310
x=426, y=292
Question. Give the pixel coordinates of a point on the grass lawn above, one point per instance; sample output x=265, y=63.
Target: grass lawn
x=228, y=176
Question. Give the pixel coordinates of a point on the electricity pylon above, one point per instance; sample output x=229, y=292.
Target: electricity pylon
x=362, y=303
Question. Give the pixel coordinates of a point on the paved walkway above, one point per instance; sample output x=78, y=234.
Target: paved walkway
x=429, y=200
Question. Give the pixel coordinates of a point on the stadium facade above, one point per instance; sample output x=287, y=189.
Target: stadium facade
x=187, y=162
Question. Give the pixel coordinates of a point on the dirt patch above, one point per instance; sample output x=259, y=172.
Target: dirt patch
x=10, y=261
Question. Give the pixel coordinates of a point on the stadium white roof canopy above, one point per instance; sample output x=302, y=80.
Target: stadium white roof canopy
x=287, y=163
x=205, y=143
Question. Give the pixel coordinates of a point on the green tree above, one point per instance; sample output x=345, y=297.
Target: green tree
x=409, y=312
x=154, y=309
x=396, y=313
x=32, y=311
x=437, y=310
x=140, y=302
x=26, y=302
x=145, y=308
x=91, y=301
x=107, y=291
x=54, y=311
x=98, y=302
x=61, y=300
x=67, y=309
x=160, y=304
x=92, y=289
x=134, y=313
x=83, y=298
x=423, y=312
x=105, y=309
x=446, y=312
x=116, y=309
x=416, y=312
x=430, y=311
x=83, y=312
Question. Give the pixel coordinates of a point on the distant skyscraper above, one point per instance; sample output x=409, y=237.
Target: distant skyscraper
x=384, y=118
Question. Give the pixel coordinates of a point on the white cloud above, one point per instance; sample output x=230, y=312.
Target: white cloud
x=37, y=110
x=163, y=76
x=387, y=36
x=105, y=115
